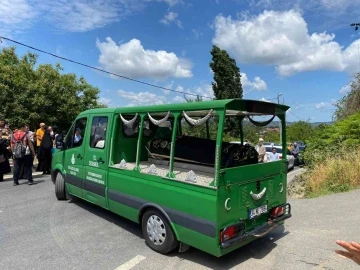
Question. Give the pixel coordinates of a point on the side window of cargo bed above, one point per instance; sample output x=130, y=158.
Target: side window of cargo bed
x=132, y=131
x=98, y=132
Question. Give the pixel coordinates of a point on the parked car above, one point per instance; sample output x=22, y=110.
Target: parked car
x=289, y=156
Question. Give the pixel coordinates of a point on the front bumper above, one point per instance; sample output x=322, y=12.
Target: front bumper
x=259, y=231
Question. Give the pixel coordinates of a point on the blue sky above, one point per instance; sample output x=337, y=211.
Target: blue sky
x=305, y=50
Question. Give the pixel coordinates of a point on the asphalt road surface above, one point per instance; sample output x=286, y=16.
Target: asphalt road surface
x=39, y=232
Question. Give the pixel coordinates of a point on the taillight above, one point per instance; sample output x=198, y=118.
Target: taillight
x=228, y=233
x=277, y=212
x=232, y=231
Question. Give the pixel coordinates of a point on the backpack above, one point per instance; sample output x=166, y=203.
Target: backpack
x=19, y=147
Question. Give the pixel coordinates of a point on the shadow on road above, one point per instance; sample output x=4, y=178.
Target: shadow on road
x=256, y=250
x=111, y=217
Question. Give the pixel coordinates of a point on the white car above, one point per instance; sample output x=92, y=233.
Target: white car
x=289, y=156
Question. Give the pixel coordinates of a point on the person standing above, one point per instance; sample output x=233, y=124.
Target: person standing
x=45, y=153
x=4, y=157
x=260, y=148
x=39, y=134
x=295, y=152
x=274, y=156
x=23, y=151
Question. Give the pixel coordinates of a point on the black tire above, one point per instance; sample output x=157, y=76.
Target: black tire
x=169, y=243
x=60, y=191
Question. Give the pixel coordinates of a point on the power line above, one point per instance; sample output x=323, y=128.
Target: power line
x=101, y=70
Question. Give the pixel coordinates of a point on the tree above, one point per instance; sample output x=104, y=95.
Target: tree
x=227, y=83
x=300, y=131
x=272, y=136
x=43, y=94
x=350, y=103
x=226, y=75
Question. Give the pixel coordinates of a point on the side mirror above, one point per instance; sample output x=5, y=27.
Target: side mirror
x=60, y=144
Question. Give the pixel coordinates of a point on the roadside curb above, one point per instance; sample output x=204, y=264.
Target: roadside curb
x=294, y=174
x=34, y=175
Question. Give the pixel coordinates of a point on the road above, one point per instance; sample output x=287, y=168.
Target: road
x=39, y=232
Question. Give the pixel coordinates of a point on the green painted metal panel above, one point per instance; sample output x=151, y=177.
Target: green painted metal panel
x=197, y=213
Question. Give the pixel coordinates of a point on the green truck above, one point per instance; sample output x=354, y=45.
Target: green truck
x=145, y=164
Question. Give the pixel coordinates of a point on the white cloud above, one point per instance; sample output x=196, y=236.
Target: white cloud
x=264, y=99
x=15, y=16
x=83, y=15
x=203, y=90
x=15, y=11
x=257, y=84
x=151, y=98
x=171, y=3
x=281, y=38
x=106, y=101
x=197, y=33
x=142, y=98
x=132, y=60
x=79, y=15
x=178, y=99
x=171, y=17
x=322, y=105
x=345, y=89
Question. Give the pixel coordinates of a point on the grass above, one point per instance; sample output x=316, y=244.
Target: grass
x=337, y=172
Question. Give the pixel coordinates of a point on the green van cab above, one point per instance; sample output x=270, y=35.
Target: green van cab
x=167, y=168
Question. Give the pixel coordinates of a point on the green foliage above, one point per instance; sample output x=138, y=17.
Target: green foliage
x=338, y=171
x=330, y=139
x=42, y=94
x=299, y=131
x=350, y=103
x=197, y=99
x=272, y=136
x=227, y=83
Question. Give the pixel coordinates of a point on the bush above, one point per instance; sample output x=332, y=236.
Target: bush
x=334, y=172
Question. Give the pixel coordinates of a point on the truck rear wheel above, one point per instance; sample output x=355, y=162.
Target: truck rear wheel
x=157, y=232
x=60, y=190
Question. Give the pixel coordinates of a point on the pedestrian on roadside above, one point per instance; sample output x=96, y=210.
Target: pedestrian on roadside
x=4, y=157
x=45, y=151
x=274, y=156
x=295, y=152
x=39, y=134
x=260, y=148
x=24, y=153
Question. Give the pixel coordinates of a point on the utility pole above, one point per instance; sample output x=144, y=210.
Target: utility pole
x=280, y=129
x=356, y=25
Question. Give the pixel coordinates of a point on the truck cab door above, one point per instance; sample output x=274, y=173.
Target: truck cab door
x=74, y=157
x=97, y=159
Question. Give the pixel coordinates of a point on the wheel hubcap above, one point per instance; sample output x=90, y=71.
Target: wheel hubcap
x=156, y=230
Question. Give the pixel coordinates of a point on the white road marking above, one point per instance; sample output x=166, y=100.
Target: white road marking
x=130, y=264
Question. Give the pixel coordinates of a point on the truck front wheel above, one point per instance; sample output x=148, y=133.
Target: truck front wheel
x=60, y=190
x=157, y=232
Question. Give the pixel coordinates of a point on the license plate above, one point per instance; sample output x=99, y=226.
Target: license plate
x=258, y=211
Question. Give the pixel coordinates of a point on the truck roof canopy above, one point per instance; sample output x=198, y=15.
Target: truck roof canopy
x=233, y=107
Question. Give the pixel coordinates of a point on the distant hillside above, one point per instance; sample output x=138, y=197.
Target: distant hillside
x=314, y=124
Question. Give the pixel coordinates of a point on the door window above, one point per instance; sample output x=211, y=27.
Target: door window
x=98, y=132
x=76, y=133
